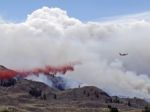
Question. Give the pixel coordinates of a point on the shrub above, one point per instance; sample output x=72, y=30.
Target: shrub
x=114, y=109
x=55, y=96
x=109, y=106
x=7, y=82
x=146, y=109
x=129, y=103
x=44, y=97
x=35, y=92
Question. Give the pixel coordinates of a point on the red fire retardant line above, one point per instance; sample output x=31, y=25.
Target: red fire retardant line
x=47, y=70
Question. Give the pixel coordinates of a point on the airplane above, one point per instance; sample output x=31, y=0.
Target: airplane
x=123, y=54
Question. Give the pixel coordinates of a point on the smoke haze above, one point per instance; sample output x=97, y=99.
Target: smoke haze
x=50, y=36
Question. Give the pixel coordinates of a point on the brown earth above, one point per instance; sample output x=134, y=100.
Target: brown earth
x=17, y=98
x=30, y=96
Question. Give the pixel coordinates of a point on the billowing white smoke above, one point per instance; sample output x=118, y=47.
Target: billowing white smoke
x=50, y=36
x=60, y=82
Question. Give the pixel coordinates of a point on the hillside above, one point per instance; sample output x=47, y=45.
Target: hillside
x=22, y=95
x=31, y=96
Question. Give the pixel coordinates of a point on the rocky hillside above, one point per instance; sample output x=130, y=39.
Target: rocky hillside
x=31, y=96
x=22, y=95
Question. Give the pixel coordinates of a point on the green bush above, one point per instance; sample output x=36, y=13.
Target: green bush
x=146, y=109
x=114, y=109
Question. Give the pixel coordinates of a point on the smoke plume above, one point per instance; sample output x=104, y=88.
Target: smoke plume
x=50, y=36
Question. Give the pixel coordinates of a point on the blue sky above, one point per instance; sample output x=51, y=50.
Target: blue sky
x=85, y=10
